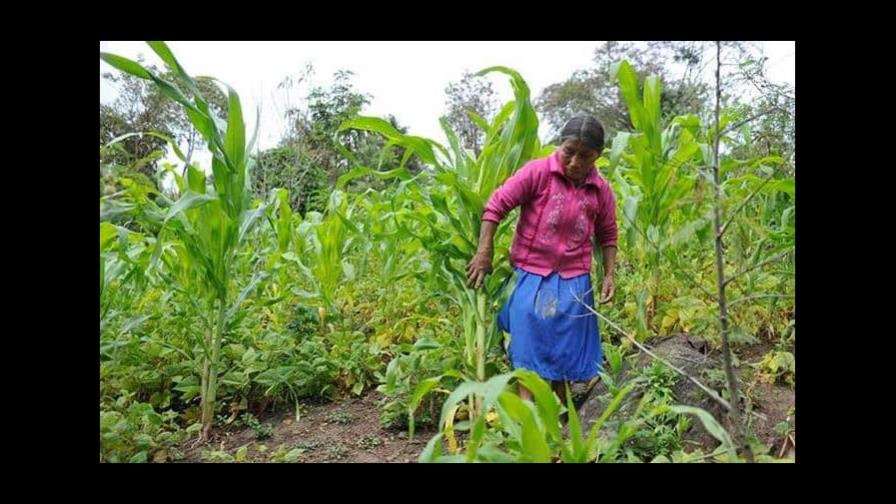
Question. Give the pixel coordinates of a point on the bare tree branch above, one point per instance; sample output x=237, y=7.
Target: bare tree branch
x=720, y=272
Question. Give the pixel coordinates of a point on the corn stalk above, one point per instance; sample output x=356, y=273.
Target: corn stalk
x=655, y=178
x=451, y=211
x=207, y=224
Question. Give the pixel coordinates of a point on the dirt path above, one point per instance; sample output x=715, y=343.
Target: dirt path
x=347, y=430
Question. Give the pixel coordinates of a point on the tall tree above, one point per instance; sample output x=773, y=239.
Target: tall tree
x=141, y=107
x=470, y=94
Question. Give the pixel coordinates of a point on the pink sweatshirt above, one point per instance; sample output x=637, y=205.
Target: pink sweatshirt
x=557, y=219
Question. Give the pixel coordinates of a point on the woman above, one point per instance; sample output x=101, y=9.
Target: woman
x=564, y=203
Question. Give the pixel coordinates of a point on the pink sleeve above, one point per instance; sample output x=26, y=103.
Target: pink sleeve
x=518, y=189
x=605, y=227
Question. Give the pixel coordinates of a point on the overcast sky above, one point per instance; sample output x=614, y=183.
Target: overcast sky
x=406, y=79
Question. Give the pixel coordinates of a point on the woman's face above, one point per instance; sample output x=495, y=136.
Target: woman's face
x=577, y=159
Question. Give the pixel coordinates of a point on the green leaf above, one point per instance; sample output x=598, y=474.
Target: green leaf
x=235, y=138
x=611, y=408
x=420, y=392
x=134, y=323
x=459, y=394
x=375, y=124
x=787, y=186
x=164, y=52
x=422, y=147
x=710, y=424
x=102, y=275
x=126, y=65
x=620, y=141
x=195, y=179
x=476, y=118
x=138, y=458
x=535, y=448
x=575, y=430
x=249, y=220
x=652, y=99
x=426, y=343
x=108, y=232
x=433, y=450
x=257, y=277
x=628, y=84
x=188, y=201
x=203, y=123
x=545, y=400
x=143, y=441
x=360, y=171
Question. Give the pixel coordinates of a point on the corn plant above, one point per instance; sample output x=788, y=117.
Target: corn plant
x=129, y=217
x=514, y=430
x=383, y=223
x=451, y=211
x=655, y=178
x=206, y=225
x=319, y=246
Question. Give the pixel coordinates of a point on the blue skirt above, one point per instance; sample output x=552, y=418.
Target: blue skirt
x=550, y=332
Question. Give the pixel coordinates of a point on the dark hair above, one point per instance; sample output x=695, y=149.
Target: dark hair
x=586, y=129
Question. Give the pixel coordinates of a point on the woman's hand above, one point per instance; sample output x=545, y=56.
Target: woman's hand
x=609, y=288
x=479, y=266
